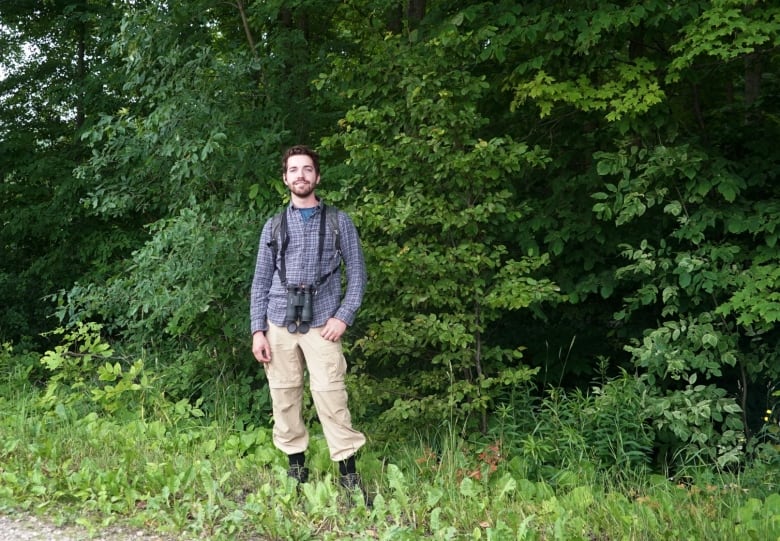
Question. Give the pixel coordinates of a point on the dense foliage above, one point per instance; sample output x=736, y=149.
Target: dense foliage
x=555, y=200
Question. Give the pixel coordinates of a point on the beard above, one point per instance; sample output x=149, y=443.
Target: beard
x=302, y=188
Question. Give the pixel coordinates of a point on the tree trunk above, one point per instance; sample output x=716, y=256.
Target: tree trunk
x=248, y=31
x=81, y=74
x=415, y=12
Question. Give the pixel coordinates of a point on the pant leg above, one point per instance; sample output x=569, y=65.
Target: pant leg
x=289, y=434
x=343, y=440
x=327, y=370
x=285, y=374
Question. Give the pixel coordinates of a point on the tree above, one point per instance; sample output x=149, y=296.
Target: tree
x=214, y=93
x=621, y=168
x=432, y=201
x=672, y=168
x=55, y=78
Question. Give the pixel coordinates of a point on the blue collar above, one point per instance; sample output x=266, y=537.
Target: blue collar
x=307, y=213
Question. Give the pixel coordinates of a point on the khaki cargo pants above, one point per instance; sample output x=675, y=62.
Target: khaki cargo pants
x=291, y=354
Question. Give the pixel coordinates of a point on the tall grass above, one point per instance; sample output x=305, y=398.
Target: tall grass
x=174, y=470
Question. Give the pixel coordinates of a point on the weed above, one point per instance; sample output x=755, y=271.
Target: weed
x=568, y=473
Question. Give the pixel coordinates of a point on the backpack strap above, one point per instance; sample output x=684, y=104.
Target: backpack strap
x=276, y=223
x=332, y=215
x=277, y=242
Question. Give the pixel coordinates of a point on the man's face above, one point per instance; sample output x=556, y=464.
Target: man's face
x=300, y=177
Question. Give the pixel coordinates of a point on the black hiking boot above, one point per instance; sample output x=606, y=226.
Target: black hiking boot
x=352, y=482
x=299, y=473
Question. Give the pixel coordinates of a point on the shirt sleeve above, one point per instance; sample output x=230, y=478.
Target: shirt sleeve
x=261, y=283
x=355, y=268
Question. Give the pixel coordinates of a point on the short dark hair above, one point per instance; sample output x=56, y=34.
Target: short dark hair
x=301, y=149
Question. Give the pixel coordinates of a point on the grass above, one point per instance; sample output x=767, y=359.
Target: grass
x=170, y=469
x=213, y=482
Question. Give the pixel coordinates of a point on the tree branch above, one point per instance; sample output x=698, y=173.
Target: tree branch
x=245, y=23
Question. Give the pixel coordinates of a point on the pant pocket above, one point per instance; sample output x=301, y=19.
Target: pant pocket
x=337, y=369
x=284, y=371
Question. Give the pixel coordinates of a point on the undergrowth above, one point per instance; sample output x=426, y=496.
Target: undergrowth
x=102, y=445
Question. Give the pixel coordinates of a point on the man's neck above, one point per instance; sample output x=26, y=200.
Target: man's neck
x=304, y=202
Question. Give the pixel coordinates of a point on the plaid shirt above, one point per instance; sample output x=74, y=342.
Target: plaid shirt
x=269, y=296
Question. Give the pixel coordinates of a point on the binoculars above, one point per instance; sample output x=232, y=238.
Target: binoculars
x=299, y=313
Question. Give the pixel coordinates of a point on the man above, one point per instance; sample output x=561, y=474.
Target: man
x=298, y=316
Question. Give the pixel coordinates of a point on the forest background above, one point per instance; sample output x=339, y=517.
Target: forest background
x=570, y=214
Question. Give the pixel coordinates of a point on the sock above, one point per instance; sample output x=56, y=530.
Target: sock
x=347, y=466
x=297, y=459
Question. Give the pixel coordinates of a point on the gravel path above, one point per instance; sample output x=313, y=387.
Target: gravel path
x=30, y=528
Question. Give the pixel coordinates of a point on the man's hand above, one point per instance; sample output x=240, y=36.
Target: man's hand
x=260, y=347
x=333, y=329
